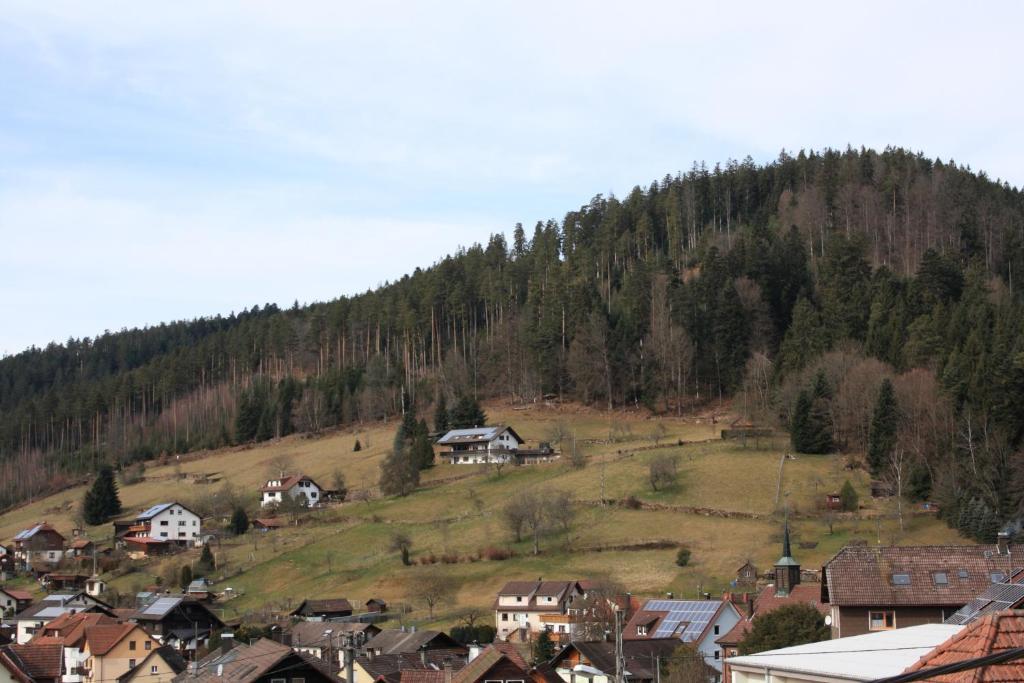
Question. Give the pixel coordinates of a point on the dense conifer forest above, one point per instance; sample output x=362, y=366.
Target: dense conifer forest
x=868, y=300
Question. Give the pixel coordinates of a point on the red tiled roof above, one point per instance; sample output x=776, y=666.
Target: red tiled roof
x=80, y=543
x=16, y=594
x=809, y=593
x=737, y=633
x=70, y=628
x=103, y=637
x=420, y=676
x=270, y=522
x=40, y=661
x=996, y=632
x=862, y=576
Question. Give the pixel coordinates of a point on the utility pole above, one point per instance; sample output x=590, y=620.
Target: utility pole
x=620, y=663
x=330, y=655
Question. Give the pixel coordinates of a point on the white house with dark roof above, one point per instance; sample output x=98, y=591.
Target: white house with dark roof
x=524, y=608
x=479, y=445
x=294, y=485
x=167, y=522
x=700, y=622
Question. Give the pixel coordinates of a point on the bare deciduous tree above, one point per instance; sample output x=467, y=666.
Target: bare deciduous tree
x=663, y=471
x=432, y=587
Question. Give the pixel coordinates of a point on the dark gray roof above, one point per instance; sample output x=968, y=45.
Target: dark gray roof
x=396, y=641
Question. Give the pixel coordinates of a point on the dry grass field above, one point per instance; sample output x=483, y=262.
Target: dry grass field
x=725, y=508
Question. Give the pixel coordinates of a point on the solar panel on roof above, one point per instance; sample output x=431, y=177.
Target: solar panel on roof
x=685, y=619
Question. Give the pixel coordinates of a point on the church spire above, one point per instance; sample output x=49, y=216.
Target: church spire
x=787, y=570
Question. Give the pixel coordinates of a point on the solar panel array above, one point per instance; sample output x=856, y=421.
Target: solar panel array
x=693, y=615
x=160, y=607
x=997, y=597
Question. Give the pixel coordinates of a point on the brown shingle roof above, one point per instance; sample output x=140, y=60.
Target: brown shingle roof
x=1000, y=631
x=330, y=605
x=863, y=576
x=101, y=638
x=40, y=661
x=387, y=665
x=483, y=663
x=394, y=641
x=809, y=593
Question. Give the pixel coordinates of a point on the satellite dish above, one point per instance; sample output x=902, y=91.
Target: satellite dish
x=828, y=620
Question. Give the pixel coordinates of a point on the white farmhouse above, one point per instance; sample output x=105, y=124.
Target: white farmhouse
x=294, y=485
x=479, y=445
x=169, y=522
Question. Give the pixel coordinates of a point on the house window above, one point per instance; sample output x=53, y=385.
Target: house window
x=181, y=523
x=717, y=654
x=153, y=670
x=901, y=579
x=163, y=522
x=641, y=630
x=504, y=616
x=131, y=663
x=163, y=534
x=963, y=573
x=278, y=680
x=717, y=629
x=519, y=598
x=148, y=645
x=881, y=621
x=131, y=645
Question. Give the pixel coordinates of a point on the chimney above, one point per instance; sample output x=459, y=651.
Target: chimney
x=423, y=656
x=220, y=670
x=1003, y=542
x=671, y=595
x=227, y=641
x=474, y=651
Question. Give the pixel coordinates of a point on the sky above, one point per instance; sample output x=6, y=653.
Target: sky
x=161, y=161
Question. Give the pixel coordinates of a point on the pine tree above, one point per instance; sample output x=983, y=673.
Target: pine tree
x=441, y=414
x=185, y=576
x=102, y=500
x=239, y=521
x=466, y=413
x=811, y=425
x=799, y=426
x=206, y=562
x=543, y=648
x=848, y=497
x=884, y=422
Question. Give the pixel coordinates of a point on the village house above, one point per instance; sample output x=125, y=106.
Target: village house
x=992, y=634
x=166, y=523
x=371, y=667
x=13, y=601
x=38, y=546
x=316, y=637
x=69, y=631
x=30, y=664
x=699, y=622
x=785, y=589
x=394, y=641
x=889, y=587
x=112, y=650
x=323, y=610
x=525, y=608
x=479, y=445
x=264, y=661
x=159, y=666
x=183, y=623
x=294, y=486
x=376, y=606
x=50, y=607
x=746, y=575
x=595, y=661
x=80, y=547
x=267, y=523
x=866, y=657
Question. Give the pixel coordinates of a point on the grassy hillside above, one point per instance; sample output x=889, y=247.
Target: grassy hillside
x=724, y=509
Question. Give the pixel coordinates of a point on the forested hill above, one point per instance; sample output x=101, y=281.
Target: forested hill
x=734, y=280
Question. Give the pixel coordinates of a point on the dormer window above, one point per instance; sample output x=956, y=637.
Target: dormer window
x=641, y=630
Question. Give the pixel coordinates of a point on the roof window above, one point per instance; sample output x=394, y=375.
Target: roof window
x=998, y=577
x=901, y=579
x=963, y=573
x=940, y=578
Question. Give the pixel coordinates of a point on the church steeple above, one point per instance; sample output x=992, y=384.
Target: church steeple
x=787, y=570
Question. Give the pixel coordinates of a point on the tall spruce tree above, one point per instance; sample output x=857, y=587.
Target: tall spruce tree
x=884, y=423
x=441, y=414
x=102, y=500
x=466, y=413
x=811, y=426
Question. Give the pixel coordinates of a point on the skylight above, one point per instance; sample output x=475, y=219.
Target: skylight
x=963, y=573
x=998, y=577
x=940, y=578
x=901, y=579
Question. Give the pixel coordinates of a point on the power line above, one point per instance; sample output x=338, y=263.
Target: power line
x=956, y=667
